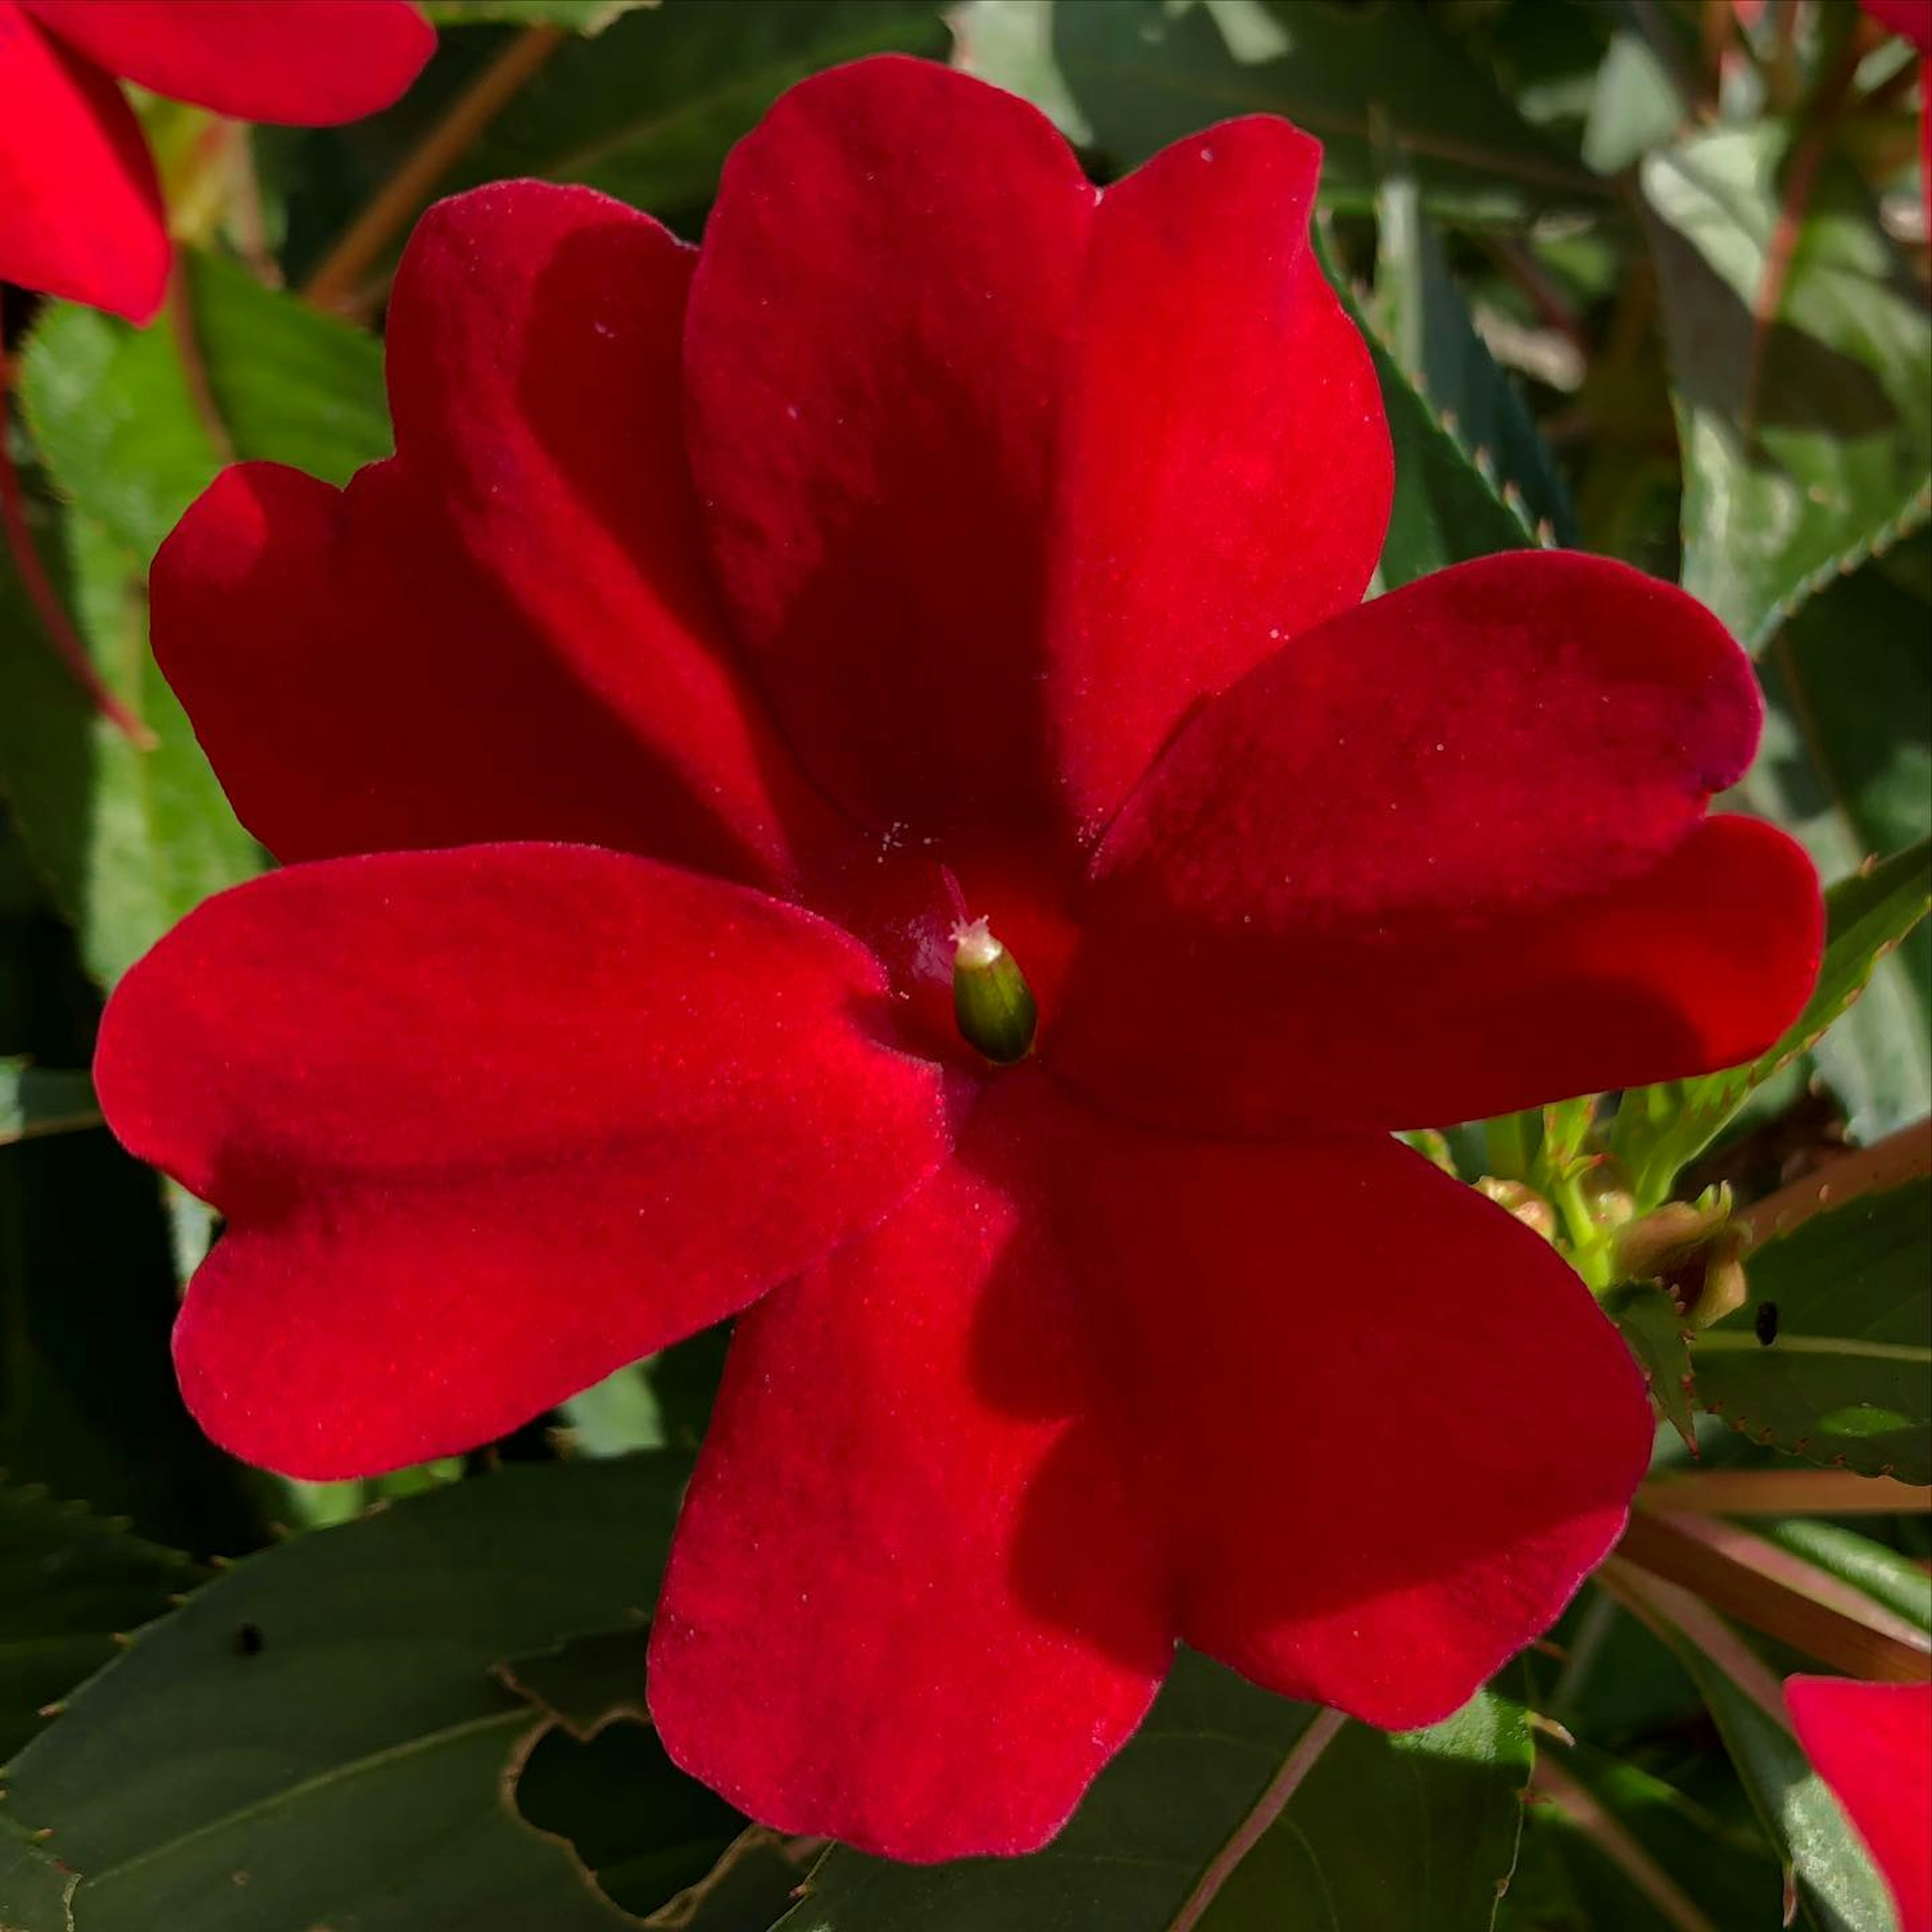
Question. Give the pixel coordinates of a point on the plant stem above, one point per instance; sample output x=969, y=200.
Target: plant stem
x=1295, y=1767
x=336, y=284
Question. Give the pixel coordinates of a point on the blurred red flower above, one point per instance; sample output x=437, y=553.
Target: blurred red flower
x=945, y=538
x=1872, y=1743
x=80, y=209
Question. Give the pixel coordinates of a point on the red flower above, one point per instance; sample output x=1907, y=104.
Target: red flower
x=80, y=209
x=1872, y=1743
x=940, y=511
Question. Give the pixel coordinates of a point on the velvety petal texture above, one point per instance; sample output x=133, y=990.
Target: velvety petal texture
x=1872, y=1743
x=80, y=209
x=398, y=664
x=935, y=1596
x=1443, y=857
x=947, y=540
x=488, y=1124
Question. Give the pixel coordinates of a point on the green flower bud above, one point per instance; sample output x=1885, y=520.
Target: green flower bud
x=1694, y=1250
x=991, y=1001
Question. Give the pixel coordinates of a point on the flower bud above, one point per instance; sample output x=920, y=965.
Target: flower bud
x=1695, y=1250
x=992, y=1001
x=1522, y=1201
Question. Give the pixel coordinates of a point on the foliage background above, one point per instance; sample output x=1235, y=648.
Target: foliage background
x=1643, y=276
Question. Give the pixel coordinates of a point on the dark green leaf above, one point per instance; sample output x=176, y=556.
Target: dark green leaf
x=1848, y=1377
x=1805, y=444
x=1885, y=1575
x=1445, y=511
x=33, y=1889
x=69, y=1581
x=1388, y=1828
x=1838, y=1891
x=1731, y=1875
x=1660, y=1339
x=1427, y=326
x=646, y=111
x=1386, y=77
x=1846, y=766
x=322, y=1719
x=578, y=16
x=1660, y=1129
x=586, y=1682
x=36, y=1100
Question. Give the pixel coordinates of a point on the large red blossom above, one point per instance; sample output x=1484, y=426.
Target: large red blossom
x=944, y=520
x=80, y=209
x=1872, y=1743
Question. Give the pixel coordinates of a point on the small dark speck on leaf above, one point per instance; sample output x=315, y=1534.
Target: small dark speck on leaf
x=249, y=1640
x=1766, y=1322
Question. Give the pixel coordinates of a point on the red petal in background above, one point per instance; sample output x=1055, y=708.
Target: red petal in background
x=488, y=1124
x=80, y=210
x=307, y=63
x=505, y=632
x=1872, y=1743
x=1442, y=857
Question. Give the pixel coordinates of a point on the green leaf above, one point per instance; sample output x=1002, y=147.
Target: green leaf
x=1884, y=1575
x=1386, y=1828
x=1427, y=324
x=1730, y=1875
x=113, y=414
x=33, y=1889
x=1846, y=767
x=1445, y=510
x=587, y=17
x=69, y=1582
x=647, y=111
x=129, y=838
x=585, y=1682
x=1805, y=450
x=322, y=1719
x=1659, y=1337
x=1659, y=1130
x=1848, y=1379
x=36, y=1100
x=1416, y=1833
x=1838, y=1890
x=1385, y=78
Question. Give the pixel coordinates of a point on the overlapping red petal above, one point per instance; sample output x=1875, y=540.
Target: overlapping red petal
x=1872, y=1743
x=80, y=213
x=1009, y=492
x=488, y=1124
x=1383, y=879
x=506, y=631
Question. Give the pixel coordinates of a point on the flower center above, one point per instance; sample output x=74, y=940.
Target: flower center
x=992, y=1001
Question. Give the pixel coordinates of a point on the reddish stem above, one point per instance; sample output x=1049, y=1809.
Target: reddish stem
x=72, y=653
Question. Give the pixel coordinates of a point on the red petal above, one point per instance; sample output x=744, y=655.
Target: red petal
x=880, y=324
x=487, y=1124
x=1911, y=18
x=304, y=62
x=506, y=631
x=1015, y=484
x=1445, y=857
x=1389, y=1430
x=1224, y=468
x=80, y=210
x=909, y=1604
x=1872, y=1743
